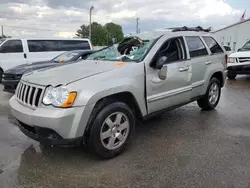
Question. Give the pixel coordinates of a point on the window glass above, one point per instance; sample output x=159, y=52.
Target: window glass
x=227, y=48
x=12, y=46
x=196, y=46
x=67, y=45
x=66, y=56
x=246, y=47
x=2, y=40
x=213, y=45
x=43, y=45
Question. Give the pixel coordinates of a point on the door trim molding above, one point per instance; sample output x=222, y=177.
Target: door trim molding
x=167, y=94
x=197, y=84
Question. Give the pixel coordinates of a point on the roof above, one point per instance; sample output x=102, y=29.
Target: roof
x=237, y=23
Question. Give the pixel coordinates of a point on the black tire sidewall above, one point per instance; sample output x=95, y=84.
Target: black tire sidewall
x=212, y=81
x=94, y=142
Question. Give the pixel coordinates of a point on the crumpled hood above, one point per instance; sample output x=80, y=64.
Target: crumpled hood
x=240, y=54
x=24, y=68
x=70, y=73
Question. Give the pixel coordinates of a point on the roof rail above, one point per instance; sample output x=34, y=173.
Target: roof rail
x=185, y=28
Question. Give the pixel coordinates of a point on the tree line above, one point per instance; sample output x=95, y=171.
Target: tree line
x=102, y=35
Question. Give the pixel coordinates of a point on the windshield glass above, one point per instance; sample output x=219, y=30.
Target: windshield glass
x=131, y=49
x=246, y=47
x=2, y=40
x=66, y=56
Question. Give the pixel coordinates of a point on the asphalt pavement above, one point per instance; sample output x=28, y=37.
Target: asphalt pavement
x=185, y=147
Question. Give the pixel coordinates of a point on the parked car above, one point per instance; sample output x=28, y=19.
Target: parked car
x=15, y=52
x=239, y=62
x=12, y=76
x=97, y=104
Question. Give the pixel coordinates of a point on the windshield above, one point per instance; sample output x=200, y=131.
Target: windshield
x=66, y=56
x=246, y=47
x=131, y=49
x=2, y=40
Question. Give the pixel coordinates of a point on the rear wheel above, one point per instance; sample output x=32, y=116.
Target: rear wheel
x=232, y=76
x=210, y=100
x=111, y=129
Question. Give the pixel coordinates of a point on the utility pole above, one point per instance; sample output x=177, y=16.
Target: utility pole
x=137, y=25
x=90, y=14
x=2, y=30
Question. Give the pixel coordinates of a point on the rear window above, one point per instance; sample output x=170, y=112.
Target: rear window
x=213, y=45
x=196, y=46
x=12, y=46
x=57, y=45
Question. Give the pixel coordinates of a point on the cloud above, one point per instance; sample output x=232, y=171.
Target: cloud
x=61, y=18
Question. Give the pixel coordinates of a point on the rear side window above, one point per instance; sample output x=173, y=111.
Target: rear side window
x=213, y=45
x=67, y=45
x=43, y=45
x=227, y=48
x=12, y=46
x=196, y=46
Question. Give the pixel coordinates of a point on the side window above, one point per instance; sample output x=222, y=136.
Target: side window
x=67, y=45
x=227, y=48
x=43, y=45
x=196, y=46
x=213, y=45
x=12, y=46
x=173, y=49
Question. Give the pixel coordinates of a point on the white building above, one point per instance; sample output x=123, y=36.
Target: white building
x=235, y=35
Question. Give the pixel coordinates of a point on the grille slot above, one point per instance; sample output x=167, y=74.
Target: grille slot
x=29, y=94
x=243, y=59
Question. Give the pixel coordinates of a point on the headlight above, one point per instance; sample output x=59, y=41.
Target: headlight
x=231, y=60
x=59, y=97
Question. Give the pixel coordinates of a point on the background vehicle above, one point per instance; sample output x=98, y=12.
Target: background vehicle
x=98, y=104
x=12, y=76
x=15, y=52
x=239, y=62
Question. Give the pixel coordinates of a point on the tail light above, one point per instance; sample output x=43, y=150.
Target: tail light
x=93, y=46
x=226, y=58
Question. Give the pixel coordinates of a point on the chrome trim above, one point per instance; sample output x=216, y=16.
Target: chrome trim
x=197, y=84
x=167, y=94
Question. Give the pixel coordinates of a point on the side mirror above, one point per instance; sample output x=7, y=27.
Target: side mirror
x=161, y=61
x=239, y=50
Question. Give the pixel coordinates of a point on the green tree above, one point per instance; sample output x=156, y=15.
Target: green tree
x=101, y=35
x=115, y=31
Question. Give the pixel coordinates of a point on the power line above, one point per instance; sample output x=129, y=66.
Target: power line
x=30, y=28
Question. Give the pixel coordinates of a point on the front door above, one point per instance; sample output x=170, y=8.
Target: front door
x=176, y=88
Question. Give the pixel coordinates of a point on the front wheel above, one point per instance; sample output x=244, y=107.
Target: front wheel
x=211, y=99
x=111, y=130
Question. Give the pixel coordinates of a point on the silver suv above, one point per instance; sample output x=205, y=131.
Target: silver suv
x=96, y=103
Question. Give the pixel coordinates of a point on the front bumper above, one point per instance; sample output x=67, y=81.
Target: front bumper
x=238, y=68
x=50, y=125
x=10, y=85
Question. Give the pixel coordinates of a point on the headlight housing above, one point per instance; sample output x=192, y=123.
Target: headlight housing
x=59, y=97
x=231, y=60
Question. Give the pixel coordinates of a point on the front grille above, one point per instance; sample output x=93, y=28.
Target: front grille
x=30, y=95
x=243, y=59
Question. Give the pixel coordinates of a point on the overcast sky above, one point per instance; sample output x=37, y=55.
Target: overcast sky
x=64, y=17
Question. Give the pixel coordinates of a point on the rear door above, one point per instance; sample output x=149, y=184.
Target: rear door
x=12, y=53
x=198, y=55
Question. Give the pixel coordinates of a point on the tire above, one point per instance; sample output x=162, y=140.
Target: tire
x=115, y=136
x=232, y=76
x=207, y=104
x=1, y=75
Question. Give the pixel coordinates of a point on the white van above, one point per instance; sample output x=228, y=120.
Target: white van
x=15, y=52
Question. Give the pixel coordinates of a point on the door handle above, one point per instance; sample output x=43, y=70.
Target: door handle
x=182, y=69
x=208, y=62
